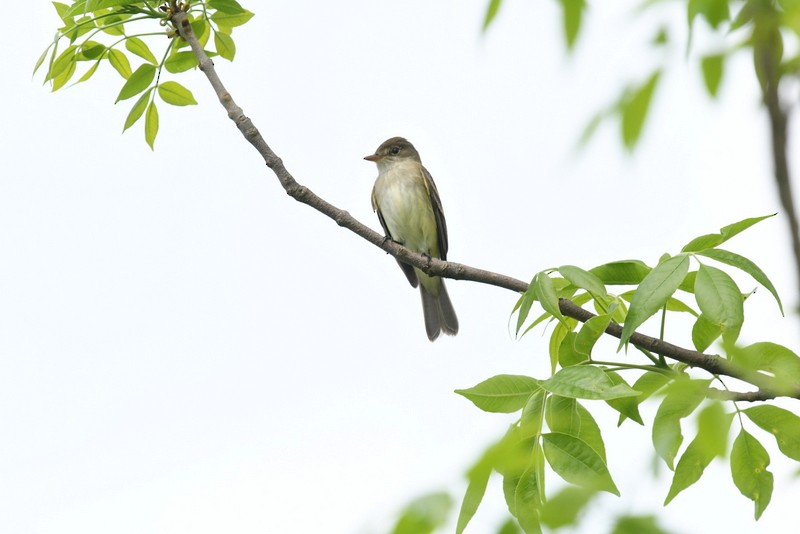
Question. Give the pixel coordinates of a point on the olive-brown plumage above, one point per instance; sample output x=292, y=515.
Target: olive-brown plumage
x=410, y=212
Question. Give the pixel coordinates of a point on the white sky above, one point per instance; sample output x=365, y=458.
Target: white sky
x=184, y=349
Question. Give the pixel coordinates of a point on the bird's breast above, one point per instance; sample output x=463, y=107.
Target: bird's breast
x=404, y=202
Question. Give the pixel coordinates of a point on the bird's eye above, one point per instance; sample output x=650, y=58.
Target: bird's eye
x=395, y=150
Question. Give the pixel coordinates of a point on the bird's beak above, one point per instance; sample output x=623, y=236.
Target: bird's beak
x=372, y=157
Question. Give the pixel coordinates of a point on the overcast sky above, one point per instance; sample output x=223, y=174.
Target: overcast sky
x=185, y=349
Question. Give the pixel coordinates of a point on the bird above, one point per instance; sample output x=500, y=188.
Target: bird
x=409, y=209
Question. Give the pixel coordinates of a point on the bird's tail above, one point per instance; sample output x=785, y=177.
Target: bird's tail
x=438, y=311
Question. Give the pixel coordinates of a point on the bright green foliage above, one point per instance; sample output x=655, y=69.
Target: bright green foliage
x=120, y=32
x=424, y=515
x=712, y=66
x=637, y=525
x=555, y=424
x=720, y=301
x=711, y=441
x=576, y=462
x=682, y=398
x=502, y=393
x=573, y=15
x=586, y=382
x=654, y=292
x=565, y=507
x=763, y=28
x=749, y=461
x=491, y=12
x=633, y=108
x=782, y=424
x=772, y=359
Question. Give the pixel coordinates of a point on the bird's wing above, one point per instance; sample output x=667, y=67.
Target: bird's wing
x=438, y=213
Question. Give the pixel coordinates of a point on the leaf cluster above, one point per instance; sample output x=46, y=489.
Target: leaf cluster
x=765, y=29
x=554, y=426
x=117, y=33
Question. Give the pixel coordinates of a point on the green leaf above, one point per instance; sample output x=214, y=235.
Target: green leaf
x=151, y=124
x=81, y=7
x=530, y=422
x=90, y=50
x=61, y=8
x=424, y=515
x=740, y=262
x=41, y=59
x=476, y=488
x=139, y=81
x=565, y=507
x=705, y=332
x=591, y=331
x=720, y=301
x=78, y=28
x=744, y=16
x=647, y=384
x=137, y=110
x=661, y=38
x=628, y=407
x=673, y=304
x=225, y=45
x=501, y=393
x=586, y=382
x=590, y=431
x=782, y=424
x=525, y=302
x=112, y=25
x=528, y=500
x=577, y=463
x=63, y=62
x=633, y=109
x=682, y=399
x=491, y=12
x=62, y=79
x=175, y=94
x=180, y=62
x=231, y=20
x=711, y=441
x=622, y=273
x=654, y=291
x=712, y=240
x=638, y=524
x=777, y=360
x=688, y=282
x=546, y=294
x=712, y=72
x=478, y=477
x=592, y=126
x=583, y=279
x=562, y=415
x=509, y=527
x=567, y=355
x=88, y=74
x=749, y=461
x=120, y=63
x=560, y=333
x=573, y=14
x=138, y=47
x=509, y=456
x=225, y=6
x=714, y=11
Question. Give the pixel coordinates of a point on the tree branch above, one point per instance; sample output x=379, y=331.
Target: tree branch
x=766, y=49
x=712, y=363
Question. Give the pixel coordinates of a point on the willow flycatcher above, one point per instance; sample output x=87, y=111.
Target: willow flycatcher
x=410, y=212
